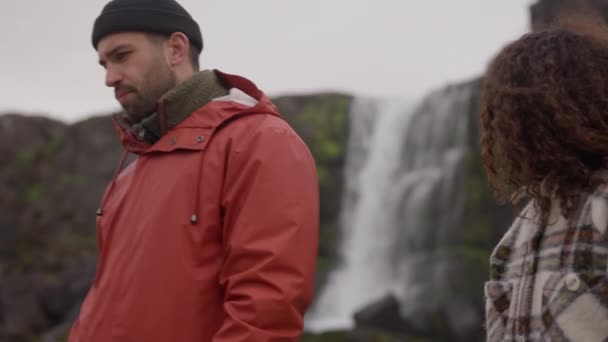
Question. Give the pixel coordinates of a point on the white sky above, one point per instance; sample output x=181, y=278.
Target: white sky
x=363, y=47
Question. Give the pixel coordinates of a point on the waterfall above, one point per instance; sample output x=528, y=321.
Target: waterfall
x=401, y=205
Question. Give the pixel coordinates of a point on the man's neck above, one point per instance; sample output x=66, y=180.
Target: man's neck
x=183, y=74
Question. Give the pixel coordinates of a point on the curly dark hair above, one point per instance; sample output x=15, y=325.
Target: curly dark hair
x=544, y=118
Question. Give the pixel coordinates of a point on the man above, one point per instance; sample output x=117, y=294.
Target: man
x=211, y=234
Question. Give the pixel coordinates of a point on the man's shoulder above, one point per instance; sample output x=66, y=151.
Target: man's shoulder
x=257, y=125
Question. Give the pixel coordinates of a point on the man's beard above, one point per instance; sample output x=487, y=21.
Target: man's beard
x=155, y=83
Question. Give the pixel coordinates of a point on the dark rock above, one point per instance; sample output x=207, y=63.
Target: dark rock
x=377, y=335
x=359, y=335
x=547, y=13
x=58, y=297
x=383, y=314
x=463, y=317
x=457, y=320
x=22, y=310
x=55, y=301
x=59, y=333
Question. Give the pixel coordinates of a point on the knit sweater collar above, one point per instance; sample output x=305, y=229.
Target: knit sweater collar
x=176, y=105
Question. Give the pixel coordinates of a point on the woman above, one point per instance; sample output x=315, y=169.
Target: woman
x=545, y=137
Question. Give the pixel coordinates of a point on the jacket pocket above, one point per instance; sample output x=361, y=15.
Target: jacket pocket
x=497, y=302
x=575, y=307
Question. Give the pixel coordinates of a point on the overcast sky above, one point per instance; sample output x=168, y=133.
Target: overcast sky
x=363, y=47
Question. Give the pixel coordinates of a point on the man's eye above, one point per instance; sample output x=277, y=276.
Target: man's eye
x=121, y=56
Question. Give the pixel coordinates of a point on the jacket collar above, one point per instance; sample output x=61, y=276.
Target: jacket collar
x=175, y=106
x=192, y=115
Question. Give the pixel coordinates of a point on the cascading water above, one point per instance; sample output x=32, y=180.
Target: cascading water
x=401, y=204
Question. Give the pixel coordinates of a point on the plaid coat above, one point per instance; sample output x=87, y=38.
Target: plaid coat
x=550, y=283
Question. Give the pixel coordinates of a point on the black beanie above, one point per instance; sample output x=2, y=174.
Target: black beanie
x=155, y=16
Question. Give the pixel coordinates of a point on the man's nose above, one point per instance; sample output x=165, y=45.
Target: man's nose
x=113, y=77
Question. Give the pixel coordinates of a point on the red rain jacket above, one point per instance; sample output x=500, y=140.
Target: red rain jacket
x=241, y=269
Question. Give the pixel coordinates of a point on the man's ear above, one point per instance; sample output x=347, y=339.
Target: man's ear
x=178, y=46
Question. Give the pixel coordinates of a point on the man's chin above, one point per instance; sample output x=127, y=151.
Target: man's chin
x=136, y=115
